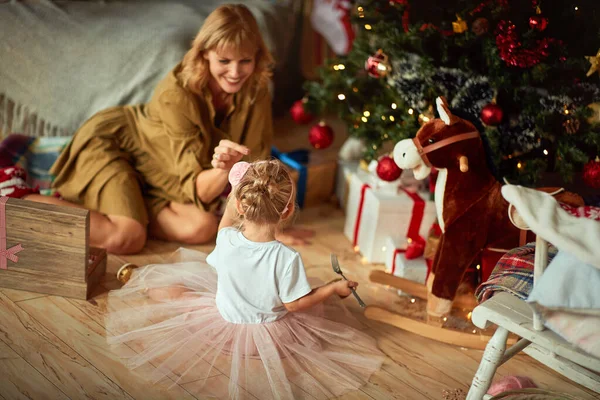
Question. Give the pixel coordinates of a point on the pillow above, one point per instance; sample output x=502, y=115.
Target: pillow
x=568, y=284
x=547, y=219
x=35, y=155
x=589, y=212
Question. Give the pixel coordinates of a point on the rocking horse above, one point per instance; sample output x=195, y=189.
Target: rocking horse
x=472, y=215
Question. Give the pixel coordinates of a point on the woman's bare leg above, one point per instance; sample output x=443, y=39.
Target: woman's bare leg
x=115, y=233
x=184, y=223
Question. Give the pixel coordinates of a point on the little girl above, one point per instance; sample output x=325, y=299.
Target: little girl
x=246, y=312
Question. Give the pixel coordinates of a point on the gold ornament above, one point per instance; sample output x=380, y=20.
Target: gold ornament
x=460, y=25
x=595, y=117
x=364, y=165
x=571, y=126
x=124, y=273
x=426, y=116
x=595, y=63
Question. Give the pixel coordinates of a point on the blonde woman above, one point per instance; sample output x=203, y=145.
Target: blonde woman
x=159, y=168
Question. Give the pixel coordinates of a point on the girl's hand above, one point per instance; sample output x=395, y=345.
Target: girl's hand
x=228, y=153
x=342, y=288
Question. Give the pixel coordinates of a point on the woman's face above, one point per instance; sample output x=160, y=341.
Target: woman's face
x=229, y=69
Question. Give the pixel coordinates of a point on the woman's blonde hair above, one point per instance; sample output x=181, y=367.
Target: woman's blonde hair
x=229, y=26
x=265, y=192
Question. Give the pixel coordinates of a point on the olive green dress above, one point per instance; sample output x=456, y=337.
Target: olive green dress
x=133, y=160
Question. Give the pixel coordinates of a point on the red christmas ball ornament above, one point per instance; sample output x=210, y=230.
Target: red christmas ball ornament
x=492, y=114
x=538, y=22
x=299, y=114
x=387, y=169
x=320, y=136
x=591, y=173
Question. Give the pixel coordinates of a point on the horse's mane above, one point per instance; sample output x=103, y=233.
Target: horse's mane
x=487, y=149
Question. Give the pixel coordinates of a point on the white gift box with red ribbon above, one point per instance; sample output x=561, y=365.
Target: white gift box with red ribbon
x=375, y=211
x=345, y=171
x=398, y=264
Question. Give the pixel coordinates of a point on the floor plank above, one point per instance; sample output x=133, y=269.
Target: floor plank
x=86, y=337
x=195, y=368
x=418, y=376
x=389, y=384
x=432, y=357
x=64, y=341
x=20, y=295
x=216, y=387
x=543, y=376
x=41, y=347
x=21, y=381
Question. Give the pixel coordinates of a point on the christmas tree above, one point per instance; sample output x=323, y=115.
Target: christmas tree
x=525, y=73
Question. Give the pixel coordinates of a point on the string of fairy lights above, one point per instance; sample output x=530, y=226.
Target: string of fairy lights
x=378, y=66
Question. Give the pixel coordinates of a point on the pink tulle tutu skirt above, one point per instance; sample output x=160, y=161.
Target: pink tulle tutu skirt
x=180, y=334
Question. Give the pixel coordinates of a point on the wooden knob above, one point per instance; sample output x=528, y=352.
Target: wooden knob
x=463, y=163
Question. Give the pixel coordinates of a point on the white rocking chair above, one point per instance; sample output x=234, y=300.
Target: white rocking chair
x=512, y=314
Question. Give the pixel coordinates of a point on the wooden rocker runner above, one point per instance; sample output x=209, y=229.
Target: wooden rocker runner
x=429, y=329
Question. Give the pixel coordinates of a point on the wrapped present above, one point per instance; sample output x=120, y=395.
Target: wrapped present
x=345, y=170
x=375, y=211
x=398, y=264
x=489, y=257
x=314, y=175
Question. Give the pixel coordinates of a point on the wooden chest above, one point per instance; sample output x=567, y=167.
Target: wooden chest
x=50, y=245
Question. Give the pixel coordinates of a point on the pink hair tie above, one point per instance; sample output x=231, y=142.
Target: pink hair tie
x=237, y=172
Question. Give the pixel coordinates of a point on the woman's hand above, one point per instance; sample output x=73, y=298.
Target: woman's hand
x=228, y=153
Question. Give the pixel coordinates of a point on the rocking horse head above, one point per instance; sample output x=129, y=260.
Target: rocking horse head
x=445, y=143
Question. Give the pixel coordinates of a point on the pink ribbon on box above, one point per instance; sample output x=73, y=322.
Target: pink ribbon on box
x=11, y=253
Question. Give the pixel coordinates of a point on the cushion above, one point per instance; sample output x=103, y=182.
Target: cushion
x=35, y=155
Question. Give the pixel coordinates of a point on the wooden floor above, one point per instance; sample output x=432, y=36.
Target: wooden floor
x=55, y=348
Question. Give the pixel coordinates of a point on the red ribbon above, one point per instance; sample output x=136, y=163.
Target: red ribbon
x=396, y=252
x=413, y=228
x=4, y=253
x=417, y=216
x=363, y=189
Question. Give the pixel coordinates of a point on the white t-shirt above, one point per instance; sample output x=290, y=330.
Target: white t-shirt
x=255, y=279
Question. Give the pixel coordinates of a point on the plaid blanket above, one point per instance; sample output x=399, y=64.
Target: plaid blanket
x=34, y=155
x=513, y=273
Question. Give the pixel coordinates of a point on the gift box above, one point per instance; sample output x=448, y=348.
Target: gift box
x=44, y=248
x=314, y=175
x=375, y=211
x=314, y=170
x=345, y=170
x=398, y=264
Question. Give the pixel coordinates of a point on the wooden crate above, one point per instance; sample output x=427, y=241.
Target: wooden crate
x=56, y=257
